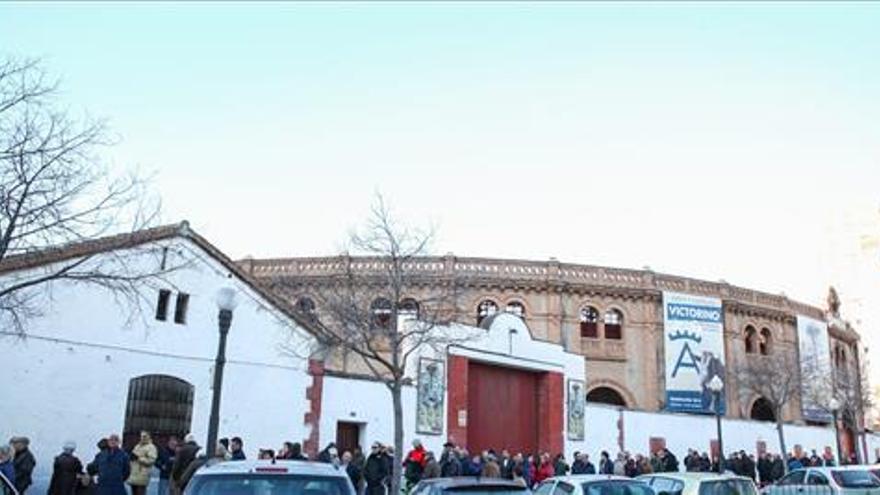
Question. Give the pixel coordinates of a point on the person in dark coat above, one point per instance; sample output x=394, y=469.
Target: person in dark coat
x=186, y=454
x=6, y=466
x=328, y=454
x=296, y=452
x=353, y=472
x=113, y=467
x=376, y=471
x=236, y=448
x=23, y=462
x=606, y=465
x=165, y=462
x=449, y=464
x=777, y=468
x=66, y=472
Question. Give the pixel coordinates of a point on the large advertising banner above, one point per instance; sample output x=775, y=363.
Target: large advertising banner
x=815, y=367
x=694, y=342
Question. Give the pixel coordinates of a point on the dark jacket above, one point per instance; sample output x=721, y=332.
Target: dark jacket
x=238, y=455
x=449, y=466
x=65, y=475
x=113, y=469
x=581, y=467
x=432, y=470
x=354, y=474
x=185, y=455
x=24, y=463
x=670, y=463
x=165, y=461
x=375, y=469
x=560, y=468
x=777, y=469
x=8, y=470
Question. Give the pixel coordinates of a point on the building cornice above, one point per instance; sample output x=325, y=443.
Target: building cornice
x=524, y=275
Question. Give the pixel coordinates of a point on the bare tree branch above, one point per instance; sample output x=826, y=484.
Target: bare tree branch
x=55, y=190
x=367, y=312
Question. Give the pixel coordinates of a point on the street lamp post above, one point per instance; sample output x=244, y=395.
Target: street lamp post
x=716, y=385
x=834, y=405
x=225, y=304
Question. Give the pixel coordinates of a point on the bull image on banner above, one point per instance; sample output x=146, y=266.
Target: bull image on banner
x=815, y=367
x=694, y=343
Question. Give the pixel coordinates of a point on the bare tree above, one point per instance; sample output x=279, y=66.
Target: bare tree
x=369, y=313
x=55, y=192
x=845, y=383
x=772, y=378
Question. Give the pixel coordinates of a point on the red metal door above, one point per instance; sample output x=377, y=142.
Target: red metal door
x=502, y=409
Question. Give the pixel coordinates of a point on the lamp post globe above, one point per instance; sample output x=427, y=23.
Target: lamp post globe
x=226, y=302
x=716, y=386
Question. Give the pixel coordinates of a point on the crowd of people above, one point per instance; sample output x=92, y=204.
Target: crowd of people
x=113, y=468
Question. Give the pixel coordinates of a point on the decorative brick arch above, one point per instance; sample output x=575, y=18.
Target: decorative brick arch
x=518, y=299
x=750, y=404
x=474, y=305
x=628, y=397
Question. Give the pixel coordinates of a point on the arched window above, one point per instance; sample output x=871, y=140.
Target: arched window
x=606, y=395
x=161, y=405
x=381, y=310
x=589, y=322
x=485, y=309
x=764, y=342
x=762, y=410
x=408, y=308
x=305, y=305
x=751, y=336
x=516, y=308
x=613, y=324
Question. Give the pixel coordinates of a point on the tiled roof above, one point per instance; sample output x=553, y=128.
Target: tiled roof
x=91, y=247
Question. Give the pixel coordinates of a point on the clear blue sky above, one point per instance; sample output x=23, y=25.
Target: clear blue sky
x=718, y=140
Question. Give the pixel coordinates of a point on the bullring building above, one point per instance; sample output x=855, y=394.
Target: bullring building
x=622, y=325
x=563, y=358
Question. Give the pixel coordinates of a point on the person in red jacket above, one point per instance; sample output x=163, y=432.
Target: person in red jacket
x=544, y=469
x=414, y=464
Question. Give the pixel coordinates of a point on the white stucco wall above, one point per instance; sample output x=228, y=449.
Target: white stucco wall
x=369, y=404
x=686, y=431
x=69, y=379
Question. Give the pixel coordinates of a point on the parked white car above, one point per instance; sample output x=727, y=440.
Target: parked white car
x=592, y=484
x=270, y=478
x=846, y=480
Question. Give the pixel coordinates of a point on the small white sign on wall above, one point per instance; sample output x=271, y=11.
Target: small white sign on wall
x=462, y=418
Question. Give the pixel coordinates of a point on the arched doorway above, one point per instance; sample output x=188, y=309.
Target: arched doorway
x=762, y=410
x=159, y=404
x=606, y=395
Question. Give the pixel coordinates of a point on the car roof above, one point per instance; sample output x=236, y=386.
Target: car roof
x=462, y=481
x=590, y=478
x=828, y=469
x=271, y=467
x=696, y=476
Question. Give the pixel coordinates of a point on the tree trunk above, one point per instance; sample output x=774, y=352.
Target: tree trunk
x=396, y=473
x=781, y=432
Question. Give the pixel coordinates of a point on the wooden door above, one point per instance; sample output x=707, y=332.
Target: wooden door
x=502, y=409
x=347, y=436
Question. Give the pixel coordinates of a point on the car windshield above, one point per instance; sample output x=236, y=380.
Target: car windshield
x=855, y=479
x=251, y=484
x=616, y=488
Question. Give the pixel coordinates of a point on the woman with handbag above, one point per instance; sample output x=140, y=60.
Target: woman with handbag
x=143, y=457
